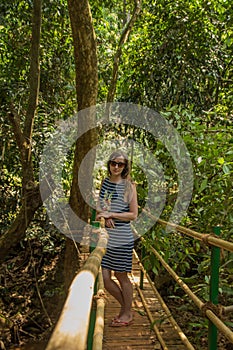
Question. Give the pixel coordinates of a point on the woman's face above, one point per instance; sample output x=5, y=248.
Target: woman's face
x=117, y=165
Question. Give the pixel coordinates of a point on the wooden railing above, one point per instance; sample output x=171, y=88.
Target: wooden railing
x=71, y=330
x=76, y=320
x=211, y=308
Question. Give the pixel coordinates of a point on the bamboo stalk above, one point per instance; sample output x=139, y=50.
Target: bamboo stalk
x=218, y=242
x=220, y=325
x=157, y=332
x=71, y=329
x=181, y=334
x=211, y=316
x=227, y=309
x=99, y=324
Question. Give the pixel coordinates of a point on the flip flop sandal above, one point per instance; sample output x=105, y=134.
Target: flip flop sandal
x=119, y=323
x=115, y=318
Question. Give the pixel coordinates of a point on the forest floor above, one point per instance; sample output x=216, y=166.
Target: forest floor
x=32, y=296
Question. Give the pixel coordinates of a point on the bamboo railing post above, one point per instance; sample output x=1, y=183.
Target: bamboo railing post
x=99, y=324
x=95, y=224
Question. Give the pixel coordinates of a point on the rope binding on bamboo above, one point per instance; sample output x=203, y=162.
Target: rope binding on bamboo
x=205, y=238
x=218, y=310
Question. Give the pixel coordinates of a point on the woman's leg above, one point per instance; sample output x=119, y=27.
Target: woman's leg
x=112, y=287
x=127, y=294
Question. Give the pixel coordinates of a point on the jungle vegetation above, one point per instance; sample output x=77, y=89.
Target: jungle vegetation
x=59, y=57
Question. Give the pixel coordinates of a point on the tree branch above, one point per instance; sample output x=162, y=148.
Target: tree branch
x=15, y=122
x=124, y=37
x=34, y=77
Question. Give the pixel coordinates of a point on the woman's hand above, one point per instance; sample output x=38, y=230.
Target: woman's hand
x=109, y=222
x=103, y=214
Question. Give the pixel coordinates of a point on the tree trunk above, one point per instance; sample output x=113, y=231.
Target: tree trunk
x=31, y=200
x=17, y=230
x=85, y=54
x=123, y=39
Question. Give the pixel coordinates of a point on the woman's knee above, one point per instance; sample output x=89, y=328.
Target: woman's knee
x=121, y=276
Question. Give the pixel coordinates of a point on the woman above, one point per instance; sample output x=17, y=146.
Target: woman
x=118, y=205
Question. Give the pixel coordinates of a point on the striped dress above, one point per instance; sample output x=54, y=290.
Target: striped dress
x=118, y=256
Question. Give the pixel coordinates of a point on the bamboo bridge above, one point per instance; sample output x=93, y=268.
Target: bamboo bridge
x=145, y=333
x=88, y=310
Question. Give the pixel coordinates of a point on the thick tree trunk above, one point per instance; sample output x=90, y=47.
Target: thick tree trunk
x=17, y=230
x=31, y=203
x=85, y=54
x=31, y=200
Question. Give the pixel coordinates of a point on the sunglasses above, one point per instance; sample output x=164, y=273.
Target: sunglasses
x=119, y=164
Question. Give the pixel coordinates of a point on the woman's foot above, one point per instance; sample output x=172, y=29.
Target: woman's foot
x=120, y=323
x=124, y=317
x=121, y=313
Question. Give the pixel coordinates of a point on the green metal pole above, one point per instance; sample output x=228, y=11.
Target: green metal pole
x=214, y=287
x=93, y=215
x=92, y=320
x=141, y=272
x=94, y=224
x=93, y=310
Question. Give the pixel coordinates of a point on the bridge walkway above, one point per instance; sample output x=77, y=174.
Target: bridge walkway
x=140, y=335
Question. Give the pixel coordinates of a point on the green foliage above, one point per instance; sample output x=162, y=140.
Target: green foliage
x=178, y=60
x=57, y=98
x=209, y=142
x=184, y=50
x=180, y=53
x=210, y=147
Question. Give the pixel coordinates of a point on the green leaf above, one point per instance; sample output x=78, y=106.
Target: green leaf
x=226, y=169
x=203, y=185
x=221, y=160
